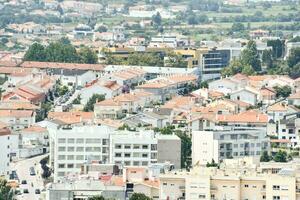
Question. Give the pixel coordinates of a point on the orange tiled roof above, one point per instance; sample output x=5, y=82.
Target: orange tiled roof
x=250, y=116
x=71, y=117
x=295, y=96
x=16, y=105
x=56, y=65
x=16, y=113
x=35, y=129
x=277, y=107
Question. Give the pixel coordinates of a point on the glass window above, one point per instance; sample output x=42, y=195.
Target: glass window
x=136, y=163
x=127, y=146
x=61, y=140
x=79, y=141
x=145, y=146
x=71, y=140
x=61, y=165
x=61, y=148
x=61, y=157
x=118, y=146
x=79, y=149
x=117, y=155
x=136, y=146
x=79, y=157
x=71, y=149
x=70, y=157
x=70, y=166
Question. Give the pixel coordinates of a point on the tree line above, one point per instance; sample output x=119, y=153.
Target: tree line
x=60, y=51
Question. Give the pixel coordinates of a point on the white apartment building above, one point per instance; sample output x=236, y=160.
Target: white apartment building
x=133, y=148
x=8, y=143
x=74, y=146
x=227, y=143
x=71, y=147
x=144, y=148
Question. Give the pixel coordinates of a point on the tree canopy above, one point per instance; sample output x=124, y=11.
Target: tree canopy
x=91, y=102
x=250, y=56
x=139, y=196
x=5, y=191
x=60, y=51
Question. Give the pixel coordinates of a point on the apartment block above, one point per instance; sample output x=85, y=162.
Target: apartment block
x=72, y=147
x=237, y=181
x=228, y=143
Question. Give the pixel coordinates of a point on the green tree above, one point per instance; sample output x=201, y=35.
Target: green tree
x=280, y=156
x=294, y=72
x=96, y=198
x=238, y=27
x=186, y=149
x=212, y=164
x=87, y=55
x=102, y=29
x=265, y=157
x=6, y=193
x=248, y=70
x=62, y=90
x=234, y=67
x=156, y=19
x=175, y=60
x=204, y=84
x=277, y=47
x=283, y=91
x=91, y=102
x=77, y=100
x=267, y=58
x=36, y=52
x=59, y=52
x=250, y=56
x=294, y=57
x=139, y=196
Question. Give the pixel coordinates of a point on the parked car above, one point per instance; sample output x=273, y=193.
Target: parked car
x=23, y=182
x=37, y=191
x=25, y=191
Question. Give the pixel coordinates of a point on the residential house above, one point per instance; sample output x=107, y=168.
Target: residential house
x=128, y=77
x=17, y=119
x=108, y=88
x=248, y=95
x=169, y=86
x=294, y=99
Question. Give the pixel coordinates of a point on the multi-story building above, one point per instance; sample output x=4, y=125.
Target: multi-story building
x=143, y=148
x=71, y=147
x=238, y=181
x=231, y=142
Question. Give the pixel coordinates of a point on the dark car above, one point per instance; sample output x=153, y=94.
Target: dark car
x=25, y=191
x=37, y=191
x=23, y=182
x=32, y=172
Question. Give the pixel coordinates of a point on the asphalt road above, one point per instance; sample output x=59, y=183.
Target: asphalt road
x=33, y=182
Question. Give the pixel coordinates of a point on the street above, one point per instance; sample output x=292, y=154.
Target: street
x=33, y=182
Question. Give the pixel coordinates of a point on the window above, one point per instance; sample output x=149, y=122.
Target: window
x=136, y=155
x=71, y=149
x=127, y=163
x=71, y=140
x=136, y=146
x=276, y=197
x=61, y=165
x=61, y=157
x=79, y=149
x=284, y=187
x=258, y=153
x=144, y=163
x=79, y=141
x=246, y=186
x=276, y=187
x=89, y=149
x=105, y=141
x=145, y=146
x=70, y=166
x=79, y=157
x=165, y=184
x=61, y=148
x=153, y=155
x=118, y=155
x=145, y=155
x=127, y=146
x=258, y=145
x=70, y=157
x=118, y=146
x=127, y=155
x=90, y=140
x=283, y=130
x=153, y=147
x=61, y=140
x=136, y=163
